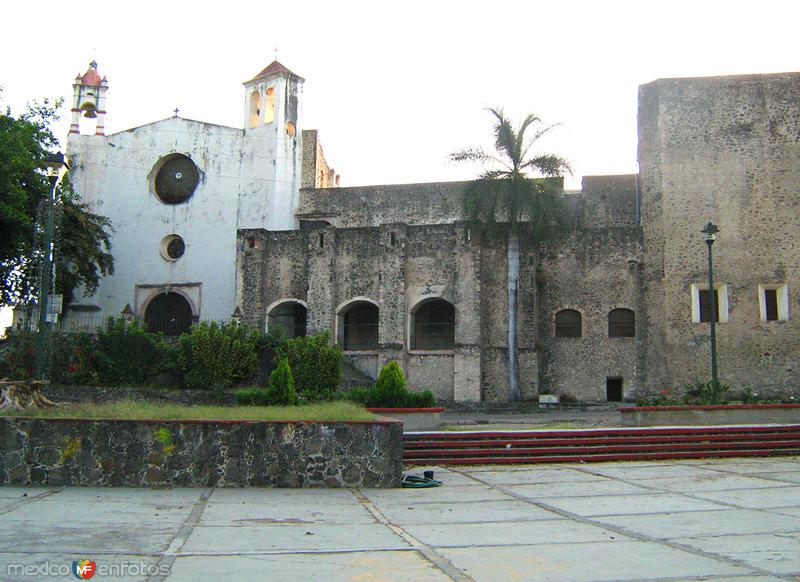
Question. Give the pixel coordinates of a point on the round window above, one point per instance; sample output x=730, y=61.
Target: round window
x=172, y=247
x=176, y=179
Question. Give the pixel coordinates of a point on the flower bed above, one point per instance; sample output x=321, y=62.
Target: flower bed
x=711, y=415
x=74, y=451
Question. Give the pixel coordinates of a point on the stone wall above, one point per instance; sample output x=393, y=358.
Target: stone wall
x=58, y=452
x=592, y=272
x=725, y=150
x=315, y=170
x=433, y=203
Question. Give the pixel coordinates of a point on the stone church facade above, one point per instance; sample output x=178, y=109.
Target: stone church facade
x=213, y=222
x=614, y=307
x=177, y=190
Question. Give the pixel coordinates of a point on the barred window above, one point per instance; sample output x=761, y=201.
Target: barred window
x=359, y=326
x=433, y=325
x=621, y=323
x=569, y=323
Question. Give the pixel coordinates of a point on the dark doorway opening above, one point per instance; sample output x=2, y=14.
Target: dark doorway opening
x=614, y=389
x=168, y=313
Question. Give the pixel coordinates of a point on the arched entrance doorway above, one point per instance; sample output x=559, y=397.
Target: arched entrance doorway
x=168, y=313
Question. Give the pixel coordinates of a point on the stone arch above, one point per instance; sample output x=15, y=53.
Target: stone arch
x=255, y=108
x=269, y=106
x=357, y=324
x=433, y=324
x=289, y=313
x=169, y=313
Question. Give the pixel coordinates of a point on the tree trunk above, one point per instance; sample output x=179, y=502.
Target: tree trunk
x=23, y=395
x=513, y=287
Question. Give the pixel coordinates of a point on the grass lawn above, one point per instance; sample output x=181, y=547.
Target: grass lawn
x=133, y=410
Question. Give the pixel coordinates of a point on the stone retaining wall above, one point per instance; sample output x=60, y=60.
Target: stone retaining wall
x=162, y=453
x=711, y=415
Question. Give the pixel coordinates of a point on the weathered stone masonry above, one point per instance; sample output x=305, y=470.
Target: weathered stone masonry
x=725, y=150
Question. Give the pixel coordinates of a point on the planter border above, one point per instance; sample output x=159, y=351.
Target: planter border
x=629, y=409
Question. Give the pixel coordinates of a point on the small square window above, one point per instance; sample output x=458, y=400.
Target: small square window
x=773, y=302
x=702, y=306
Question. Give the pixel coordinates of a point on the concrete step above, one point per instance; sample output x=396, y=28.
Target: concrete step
x=599, y=444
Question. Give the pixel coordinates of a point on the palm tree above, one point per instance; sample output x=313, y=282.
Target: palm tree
x=505, y=196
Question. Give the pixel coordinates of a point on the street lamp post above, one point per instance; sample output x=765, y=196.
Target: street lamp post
x=57, y=167
x=710, y=231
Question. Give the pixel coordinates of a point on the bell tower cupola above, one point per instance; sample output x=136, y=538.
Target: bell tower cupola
x=272, y=99
x=89, y=100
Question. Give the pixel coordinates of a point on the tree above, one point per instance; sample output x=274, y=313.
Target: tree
x=506, y=196
x=82, y=250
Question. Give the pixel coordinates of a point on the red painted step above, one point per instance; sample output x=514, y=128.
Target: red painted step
x=600, y=444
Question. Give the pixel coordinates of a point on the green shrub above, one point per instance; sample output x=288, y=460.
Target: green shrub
x=217, y=355
x=70, y=358
x=126, y=354
x=391, y=385
x=281, y=385
x=390, y=391
x=316, y=365
x=707, y=393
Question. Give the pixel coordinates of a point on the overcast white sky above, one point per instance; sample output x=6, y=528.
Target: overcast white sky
x=395, y=87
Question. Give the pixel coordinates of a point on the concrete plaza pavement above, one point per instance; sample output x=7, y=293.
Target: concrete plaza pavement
x=733, y=520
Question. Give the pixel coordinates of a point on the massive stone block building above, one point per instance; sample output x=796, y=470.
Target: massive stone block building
x=616, y=306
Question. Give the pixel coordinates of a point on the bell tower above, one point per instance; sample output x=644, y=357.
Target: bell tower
x=272, y=117
x=272, y=98
x=89, y=100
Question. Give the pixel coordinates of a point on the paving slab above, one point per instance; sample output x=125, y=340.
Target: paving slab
x=606, y=561
x=295, y=538
x=80, y=535
x=128, y=494
x=534, y=476
x=436, y=495
x=714, y=482
x=578, y=489
x=613, y=521
x=10, y=492
x=698, y=523
x=562, y=531
x=655, y=471
x=789, y=476
x=755, y=466
x=758, y=499
x=304, y=511
x=274, y=495
x=33, y=566
x=629, y=504
x=52, y=511
x=465, y=512
x=394, y=566
x=773, y=552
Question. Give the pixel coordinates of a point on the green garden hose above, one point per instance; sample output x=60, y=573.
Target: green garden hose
x=419, y=482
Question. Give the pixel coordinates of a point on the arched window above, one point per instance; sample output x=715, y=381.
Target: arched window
x=568, y=323
x=621, y=323
x=358, y=326
x=255, y=108
x=289, y=315
x=269, y=106
x=433, y=325
x=168, y=313
x=291, y=129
